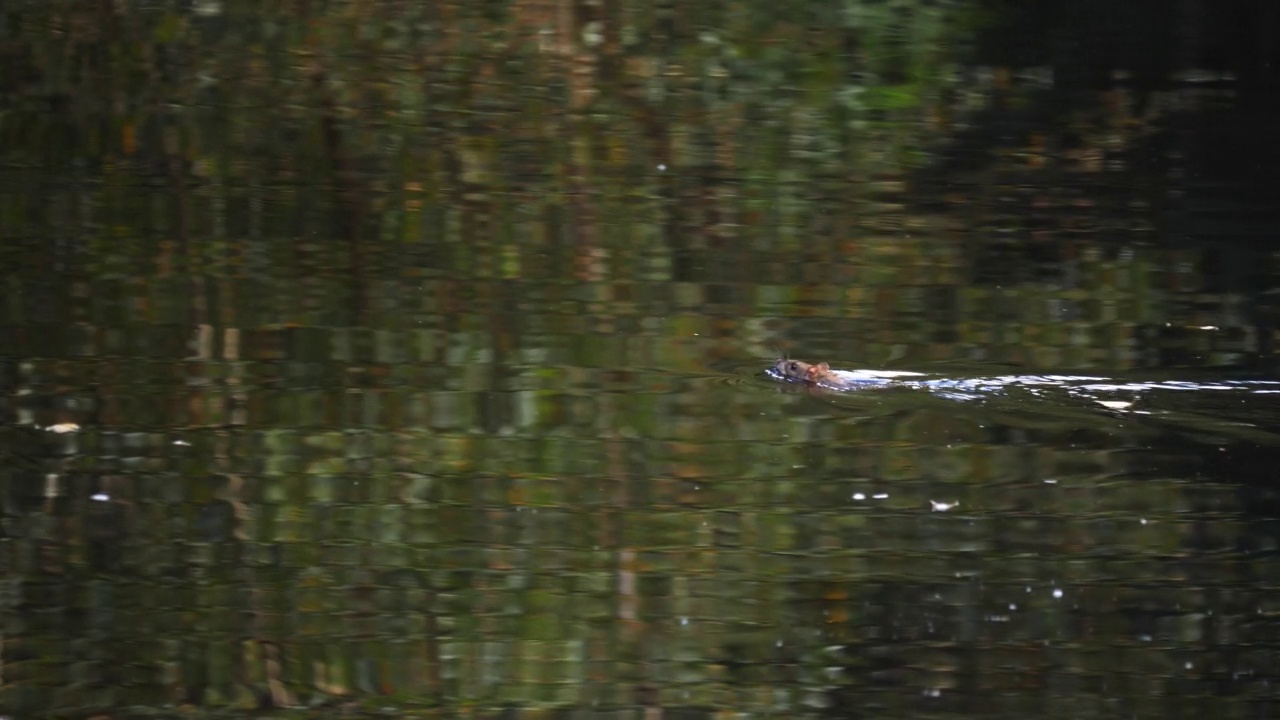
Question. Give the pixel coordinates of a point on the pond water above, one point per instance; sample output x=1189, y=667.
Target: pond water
x=351, y=365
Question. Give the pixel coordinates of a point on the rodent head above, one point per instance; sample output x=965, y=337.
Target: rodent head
x=801, y=371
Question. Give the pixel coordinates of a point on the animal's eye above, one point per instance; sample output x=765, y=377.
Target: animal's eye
x=793, y=367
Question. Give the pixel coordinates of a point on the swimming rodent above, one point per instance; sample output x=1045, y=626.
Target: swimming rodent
x=804, y=372
x=821, y=375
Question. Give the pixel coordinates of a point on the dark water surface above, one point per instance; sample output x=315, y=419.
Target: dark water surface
x=410, y=360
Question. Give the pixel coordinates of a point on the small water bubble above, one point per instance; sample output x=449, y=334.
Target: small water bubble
x=859, y=496
x=1013, y=606
x=1057, y=592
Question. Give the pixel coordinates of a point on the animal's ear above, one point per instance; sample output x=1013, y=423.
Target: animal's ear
x=823, y=368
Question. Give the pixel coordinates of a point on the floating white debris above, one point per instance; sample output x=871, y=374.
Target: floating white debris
x=1115, y=404
x=100, y=497
x=943, y=506
x=62, y=428
x=859, y=496
x=880, y=496
x=183, y=443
